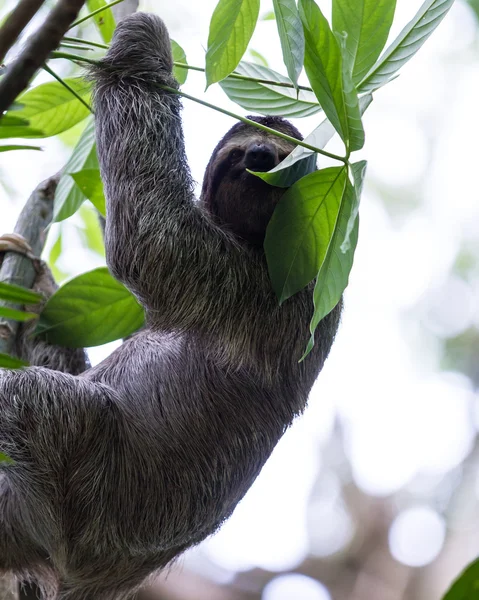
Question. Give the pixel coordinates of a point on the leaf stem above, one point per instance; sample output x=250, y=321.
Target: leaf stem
x=93, y=13
x=72, y=57
x=68, y=87
x=246, y=78
x=85, y=42
x=64, y=44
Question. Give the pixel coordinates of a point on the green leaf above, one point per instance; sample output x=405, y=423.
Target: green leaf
x=104, y=21
x=68, y=196
x=91, y=185
x=466, y=586
x=408, y=42
x=286, y=177
x=298, y=234
x=269, y=16
x=13, y=126
x=90, y=310
x=56, y=249
x=16, y=315
x=17, y=294
x=367, y=24
x=179, y=55
x=258, y=57
x=8, y=362
x=359, y=173
x=231, y=28
x=291, y=36
x=54, y=255
x=50, y=108
x=4, y=459
x=318, y=138
x=20, y=132
x=268, y=99
x=9, y=120
x=91, y=233
x=8, y=148
x=351, y=100
x=323, y=65
x=333, y=275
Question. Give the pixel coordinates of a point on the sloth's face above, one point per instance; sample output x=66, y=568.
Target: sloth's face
x=239, y=200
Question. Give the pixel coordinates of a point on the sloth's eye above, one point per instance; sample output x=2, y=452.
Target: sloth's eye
x=236, y=154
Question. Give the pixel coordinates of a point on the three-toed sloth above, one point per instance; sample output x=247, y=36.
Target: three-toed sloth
x=119, y=468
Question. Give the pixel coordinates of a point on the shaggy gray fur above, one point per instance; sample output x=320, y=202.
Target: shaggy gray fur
x=122, y=468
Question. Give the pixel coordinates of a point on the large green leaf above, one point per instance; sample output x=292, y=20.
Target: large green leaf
x=333, y=275
x=90, y=183
x=408, y=42
x=367, y=24
x=231, y=28
x=17, y=294
x=68, y=196
x=318, y=138
x=466, y=586
x=8, y=362
x=291, y=36
x=268, y=99
x=179, y=55
x=105, y=21
x=323, y=65
x=50, y=108
x=299, y=232
x=91, y=309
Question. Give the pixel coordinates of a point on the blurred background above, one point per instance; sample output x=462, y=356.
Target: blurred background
x=373, y=493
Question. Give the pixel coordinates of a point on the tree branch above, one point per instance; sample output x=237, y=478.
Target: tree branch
x=32, y=223
x=15, y=23
x=36, y=51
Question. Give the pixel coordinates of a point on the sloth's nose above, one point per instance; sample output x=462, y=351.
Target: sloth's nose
x=260, y=157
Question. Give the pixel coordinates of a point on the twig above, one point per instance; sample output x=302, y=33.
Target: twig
x=16, y=22
x=66, y=86
x=36, y=51
x=94, y=12
x=35, y=217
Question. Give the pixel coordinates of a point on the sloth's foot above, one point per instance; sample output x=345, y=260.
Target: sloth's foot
x=14, y=242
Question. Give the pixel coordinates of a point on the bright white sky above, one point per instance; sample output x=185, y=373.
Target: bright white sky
x=403, y=417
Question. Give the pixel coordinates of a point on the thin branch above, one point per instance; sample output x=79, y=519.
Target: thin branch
x=66, y=86
x=75, y=46
x=32, y=223
x=37, y=49
x=16, y=22
x=94, y=12
x=85, y=42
